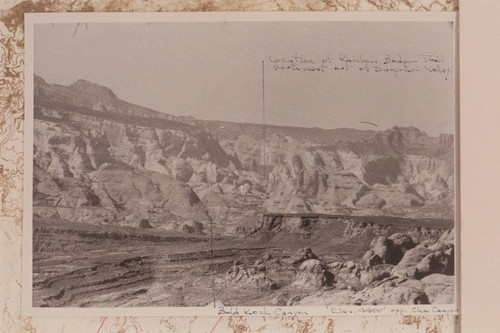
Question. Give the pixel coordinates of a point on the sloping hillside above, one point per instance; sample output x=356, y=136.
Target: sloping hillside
x=99, y=159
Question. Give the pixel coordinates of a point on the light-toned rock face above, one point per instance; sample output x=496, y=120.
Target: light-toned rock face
x=426, y=258
x=312, y=273
x=376, y=177
x=96, y=164
x=439, y=288
x=404, y=273
x=102, y=152
x=255, y=275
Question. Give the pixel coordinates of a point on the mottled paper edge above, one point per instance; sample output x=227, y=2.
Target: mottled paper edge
x=11, y=216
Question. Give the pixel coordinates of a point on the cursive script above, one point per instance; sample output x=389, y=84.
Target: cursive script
x=386, y=63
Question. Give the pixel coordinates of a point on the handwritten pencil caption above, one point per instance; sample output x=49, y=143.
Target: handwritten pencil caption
x=394, y=64
x=338, y=310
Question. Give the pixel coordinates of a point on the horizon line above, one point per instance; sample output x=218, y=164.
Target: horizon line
x=248, y=123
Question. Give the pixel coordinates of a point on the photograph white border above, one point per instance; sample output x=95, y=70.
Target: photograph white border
x=211, y=309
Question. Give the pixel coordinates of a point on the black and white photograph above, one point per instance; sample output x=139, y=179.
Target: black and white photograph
x=227, y=163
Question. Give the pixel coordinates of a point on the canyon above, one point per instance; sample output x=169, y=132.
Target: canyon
x=135, y=207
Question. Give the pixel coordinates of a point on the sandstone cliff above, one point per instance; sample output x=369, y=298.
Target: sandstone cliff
x=99, y=159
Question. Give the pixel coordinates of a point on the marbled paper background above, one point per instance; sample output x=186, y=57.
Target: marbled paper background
x=11, y=178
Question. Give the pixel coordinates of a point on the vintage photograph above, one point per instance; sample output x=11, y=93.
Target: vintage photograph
x=218, y=163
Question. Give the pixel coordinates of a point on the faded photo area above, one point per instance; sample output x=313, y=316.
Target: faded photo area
x=244, y=163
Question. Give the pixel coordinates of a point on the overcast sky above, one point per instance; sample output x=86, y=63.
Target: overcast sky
x=214, y=70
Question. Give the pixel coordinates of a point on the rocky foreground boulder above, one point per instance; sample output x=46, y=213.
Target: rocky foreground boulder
x=313, y=273
x=423, y=275
x=388, y=250
x=427, y=258
x=253, y=275
x=404, y=273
